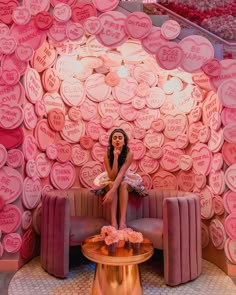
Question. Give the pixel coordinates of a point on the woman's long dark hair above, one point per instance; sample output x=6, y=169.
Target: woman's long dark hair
x=124, y=152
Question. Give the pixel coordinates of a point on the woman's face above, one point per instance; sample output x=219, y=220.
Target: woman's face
x=118, y=140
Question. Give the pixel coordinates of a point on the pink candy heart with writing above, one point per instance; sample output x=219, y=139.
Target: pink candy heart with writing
x=229, y=199
x=79, y=156
x=12, y=242
x=148, y=165
x=170, y=29
x=153, y=41
x=44, y=135
x=64, y=151
x=154, y=139
x=202, y=158
x=218, y=205
x=72, y=92
x=175, y=125
x=114, y=34
x=125, y=91
x=62, y=12
x=21, y=15
x=33, y=85
x=93, y=25
x=104, y=139
x=43, y=20
x=89, y=172
x=51, y=151
x=15, y=158
x=193, y=131
x=217, y=233
x=230, y=250
x=31, y=192
x=11, y=77
x=216, y=140
x=227, y=93
x=31, y=168
x=24, y=52
x=72, y=131
x=96, y=88
x=229, y=133
x=145, y=118
x=185, y=162
x=164, y=180
x=10, y=217
x=94, y=130
x=230, y=177
x=11, y=184
x=74, y=114
x=50, y=80
x=86, y=142
x=230, y=225
x=88, y=110
x=206, y=203
x=217, y=161
x=138, y=148
x=229, y=153
x=62, y=175
x=98, y=152
x=104, y=6
x=216, y=182
x=170, y=56
x=186, y=180
x=107, y=122
x=8, y=45
x=74, y=31
x=228, y=116
x=155, y=152
x=43, y=165
x=182, y=141
x=29, y=147
x=56, y=119
x=12, y=95
x=30, y=117
x=171, y=156
x=109, y=108
x=81, y=11
x=138, y=25
x=200, y=180
x=11, y=138
x=212, y=68
x=3, y=155
x=138, y=133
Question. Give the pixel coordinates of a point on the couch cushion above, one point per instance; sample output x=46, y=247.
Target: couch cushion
x=151, y=228
x=84, y=227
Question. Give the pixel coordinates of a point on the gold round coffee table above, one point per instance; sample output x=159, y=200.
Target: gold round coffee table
x=116, y=272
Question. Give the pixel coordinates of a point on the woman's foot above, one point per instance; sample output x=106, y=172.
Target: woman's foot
x=114, y=224
x=122, y=226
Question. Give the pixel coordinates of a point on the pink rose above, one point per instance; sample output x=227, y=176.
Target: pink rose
x=106, y=230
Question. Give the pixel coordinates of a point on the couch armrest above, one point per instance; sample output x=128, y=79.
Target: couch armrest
x=182, y=239
x=55, y=227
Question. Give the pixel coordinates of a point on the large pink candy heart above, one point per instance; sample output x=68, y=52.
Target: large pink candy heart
x=171, y=156
x=12, y=242
x=148, y=165
x=170, y=29
x=72, y=92
x=216, y=182
x=230, y=177
x=11, y=184
x=15, y=158
x=11, y=77
x=153, y=41
x=43, y=165
x=229, y=153
x=175, y=125
x=33, y=85
x=10, y=217
x=81, y=11
x=164, y=180
x=72, y=131
x=113, y=33
x=212, y=68
x=230, y=225
x=93, y=25
x=56, y=119
x=109, y=108
x=74, y=31
x=8, y=45
x=206, y=202
x=138, y=25
x=11, y=116
x=32, y=192
x=44, y=134
x=98, y=152
x=202, y=158
x=186, y=180
x=227, y=93
x=12, y=95
x=11, y=138
x=138, y=148
x=94, y=130
x=62, y=12
x=104, y=6
x=170, y=56
x=125, y=91
x=79, y=156
x=89, y=172
x=217, y=233
x=64, y=151
x=96, y=88
x=62, y=175
x=228, y=116
x=229, y=199
x=230, y=250
x=21, y=15
x=24, y=52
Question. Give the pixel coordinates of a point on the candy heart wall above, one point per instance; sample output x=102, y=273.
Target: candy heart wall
x=73, y=71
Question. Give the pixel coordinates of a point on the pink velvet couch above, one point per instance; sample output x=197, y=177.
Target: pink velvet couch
x=170, y=219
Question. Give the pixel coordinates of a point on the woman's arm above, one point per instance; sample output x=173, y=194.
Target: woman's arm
x=112, y=172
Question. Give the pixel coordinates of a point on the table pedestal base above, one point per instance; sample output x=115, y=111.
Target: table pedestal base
x=110, y=279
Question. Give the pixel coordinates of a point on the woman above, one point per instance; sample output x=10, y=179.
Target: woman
x=118, y=178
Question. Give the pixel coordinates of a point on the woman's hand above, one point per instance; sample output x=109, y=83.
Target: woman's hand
x=108, y=197
x=116, y=153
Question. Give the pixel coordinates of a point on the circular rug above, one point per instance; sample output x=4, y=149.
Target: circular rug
x=31, y=279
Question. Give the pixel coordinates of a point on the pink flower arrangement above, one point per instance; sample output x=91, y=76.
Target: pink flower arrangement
x=135, y=237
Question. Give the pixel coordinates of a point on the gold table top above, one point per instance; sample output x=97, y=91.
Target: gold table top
x=98, y=252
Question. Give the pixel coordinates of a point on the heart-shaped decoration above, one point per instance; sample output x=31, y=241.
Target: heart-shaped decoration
x=204, y=134
x=64, y=151
x=51, y=100
x=229, y=153
x=72, y=92
x=104, y=6
x=40, y=109
x=212, y=68
x=145, y=74
x=228, y=68
x=104, y=139
x=182, y=141
x=72, y=131
x=93, y=25
x=12, y=242
x=138, y=148
x=51, y=151
x=113, y=33
x=62, y=12
x=57, y=32
x=88, y=110
x=44, y=135
x=138, y=133
x=218, y=205
x=229, y=225
x=96, y=88
x=3, y=155
x=56, y=119
x=21, y=15
x=186, y=180
x=8, y=44
x=128, y=112
x=11, y=77
x=217, y=234
x=206, y=203
x=148, y=165
x=74, y=114
x=217, y=162
x=171, y=156
x=30, y=117
x=216, y=140
x=81, y=11
x=12, y=95
x=109, y=108
x=24, y=52
x=216, y=182
x=74, y=31
x=107, y=122
x=230, y=250
x=26, y=219
x=228, y=116
x=10, y=217
x=197, y=51
x=145, y=118
x=94, y=129
x=202, y=80
x=185, y=162
x=125, y=91
x=229, y=199
x=170, y=29
x=229, y=133
x=62, y=175
x=29, y=147
x=153, y=41
x=155, y=152
x=43, y=165
x=98, y=152
x=43, y=20
x=158, y=125
x=195, y=114
x=193, y=131
x=79, y=156
x=32, y=192
x=184, y=100
x=7, y=7
x=89, y=172
x=164, y=180
x=155, y=98
x=31, y=168
x=11, y=138
x=4, y=30
x=11, y=184
x=175, y=125
x=138, y=25
x=170, y=56
x=200, y=180
x=33, y=85
x=50, y=80
x=86, y=142
x=15, y=158
x=154, y=139
x=230, y=177
x=226, y=93
x=215, y=121
x=202, y=158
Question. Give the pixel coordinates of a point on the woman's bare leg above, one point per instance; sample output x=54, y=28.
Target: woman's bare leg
x=123, y=203
x=114, y=204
